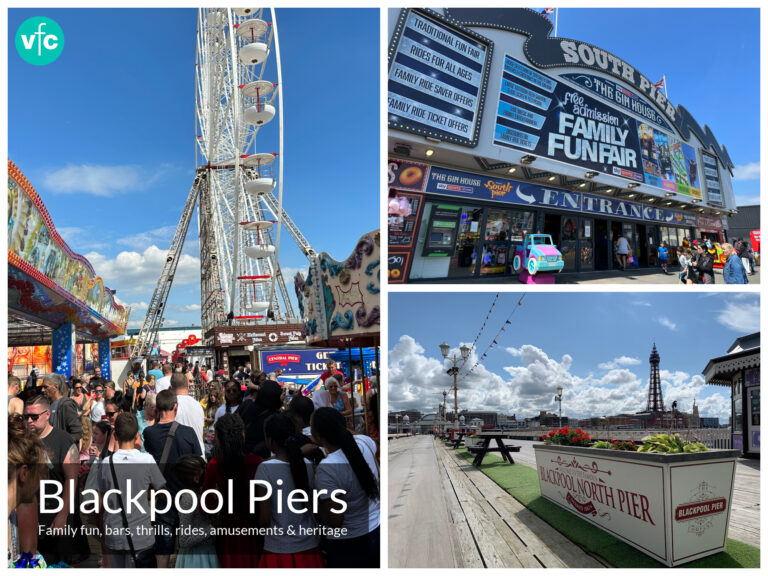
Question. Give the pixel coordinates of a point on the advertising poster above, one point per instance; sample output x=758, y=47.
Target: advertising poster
x=436, y=77
x=405, y=175
x=548, y=118
x=399, y=264
x=402, y=229
x=295, y=362
x=661, y=142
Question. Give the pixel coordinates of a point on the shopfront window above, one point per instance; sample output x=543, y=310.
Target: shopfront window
x=586, y=242
x=504, y=231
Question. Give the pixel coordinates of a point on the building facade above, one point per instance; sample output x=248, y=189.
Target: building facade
x=497, y=130
x=739, y=370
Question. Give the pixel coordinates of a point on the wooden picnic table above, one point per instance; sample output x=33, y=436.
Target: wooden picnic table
x=485, y=447
x=457, y=440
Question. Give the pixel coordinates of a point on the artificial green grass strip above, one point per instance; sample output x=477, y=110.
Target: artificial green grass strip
x=522, y=483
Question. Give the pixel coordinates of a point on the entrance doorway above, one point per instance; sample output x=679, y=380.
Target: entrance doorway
x=642, y=245
x=602, y=245
x=616, y=231
x=552, y=227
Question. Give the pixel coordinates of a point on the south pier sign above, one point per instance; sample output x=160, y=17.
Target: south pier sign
x=674, y=508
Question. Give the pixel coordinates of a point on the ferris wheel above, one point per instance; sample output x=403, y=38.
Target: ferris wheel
x=239, y=124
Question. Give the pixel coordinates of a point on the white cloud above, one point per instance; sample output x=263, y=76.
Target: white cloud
x=170, y=322
x=742, y=200
x=642, y=303
x=135, y=306
x=743, y=317
x=79, y=239
x=135, y=323
x=417, y=381
x=667, y=323
x=189, y=307
x=140, y=240
x=100, y=180
x=136, y=274
x=750, y=171
x=616, y=362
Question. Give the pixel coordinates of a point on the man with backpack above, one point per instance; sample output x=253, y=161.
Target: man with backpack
x=167, y=441
x=136, y=549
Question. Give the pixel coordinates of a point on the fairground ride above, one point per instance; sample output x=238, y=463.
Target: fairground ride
x=238, y=184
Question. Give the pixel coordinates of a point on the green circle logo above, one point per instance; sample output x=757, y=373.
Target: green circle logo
x=39, y=40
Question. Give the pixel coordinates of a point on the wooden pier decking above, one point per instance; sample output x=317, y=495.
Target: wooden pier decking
x=446, y=513
x=443, y=512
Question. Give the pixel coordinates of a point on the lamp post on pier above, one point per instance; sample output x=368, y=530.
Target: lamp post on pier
x=454, y=370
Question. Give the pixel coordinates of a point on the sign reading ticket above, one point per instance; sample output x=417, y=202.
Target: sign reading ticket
x=436, y=76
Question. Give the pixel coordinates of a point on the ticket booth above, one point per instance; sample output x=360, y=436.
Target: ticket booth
x=740, y=371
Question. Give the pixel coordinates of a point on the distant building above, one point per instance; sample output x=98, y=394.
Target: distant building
x=708, y=422
x=741, y=224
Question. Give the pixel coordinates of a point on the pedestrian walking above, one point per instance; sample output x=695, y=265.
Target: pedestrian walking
x=622, y=251
x=663, y=254
x=733, y=271
x=704, y=265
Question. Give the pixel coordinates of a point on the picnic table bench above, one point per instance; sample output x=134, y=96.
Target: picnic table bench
x=458, y=439
x=485, y=446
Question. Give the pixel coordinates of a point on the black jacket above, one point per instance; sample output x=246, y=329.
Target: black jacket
x=67, y=419
x=704, y=265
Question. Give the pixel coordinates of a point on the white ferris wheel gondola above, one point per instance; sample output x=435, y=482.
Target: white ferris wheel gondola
x=235, y=104
x=244, y=11
x=257, y=225
x=257, y=50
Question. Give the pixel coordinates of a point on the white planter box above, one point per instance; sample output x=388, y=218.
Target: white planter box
x=673, y=507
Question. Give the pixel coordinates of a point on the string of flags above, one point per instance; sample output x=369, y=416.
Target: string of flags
x=496, y=338
x=487, y=316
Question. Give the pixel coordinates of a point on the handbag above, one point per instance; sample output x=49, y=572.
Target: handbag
x=631, y=259
x=144, y=558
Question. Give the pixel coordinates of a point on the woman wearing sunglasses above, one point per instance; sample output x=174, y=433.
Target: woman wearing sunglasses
x=80, y=398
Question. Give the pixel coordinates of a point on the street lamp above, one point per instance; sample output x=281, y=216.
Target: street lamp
x=559, y=399
x=454, y=370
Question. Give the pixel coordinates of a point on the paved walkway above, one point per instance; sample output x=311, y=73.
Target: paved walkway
x=642, y=276
x=445, y=513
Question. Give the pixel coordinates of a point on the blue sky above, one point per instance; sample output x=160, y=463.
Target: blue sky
x=106, y=135
x=711, y=59
x=596, y=345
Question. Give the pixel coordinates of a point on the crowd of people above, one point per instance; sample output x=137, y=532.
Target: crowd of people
x=697, y=263
x=696, y=260
x=87, y=433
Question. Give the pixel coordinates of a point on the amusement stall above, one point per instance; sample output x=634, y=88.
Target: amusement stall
x=340, y=305
x=55, y=299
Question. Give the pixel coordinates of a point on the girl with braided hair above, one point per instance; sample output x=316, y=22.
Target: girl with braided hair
x=350, y=466
x=299, y=544
x=230, y=462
